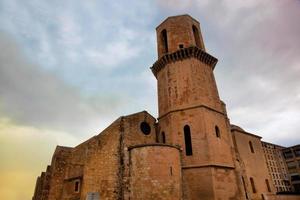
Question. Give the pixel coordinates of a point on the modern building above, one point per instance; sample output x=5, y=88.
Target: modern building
x=189, y=152
x=292, y=158
x=277, y=167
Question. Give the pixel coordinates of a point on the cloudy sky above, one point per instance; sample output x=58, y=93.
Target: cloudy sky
x=69, y=68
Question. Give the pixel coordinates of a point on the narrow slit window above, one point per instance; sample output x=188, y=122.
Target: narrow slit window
x=196, y=36
x=244, y=185
x=217, y=130
x=268, y=185
x=163, y=137
x=251, y=147
x=76, y=186
x=188, y=141
x=252, y=185
x=164, y=38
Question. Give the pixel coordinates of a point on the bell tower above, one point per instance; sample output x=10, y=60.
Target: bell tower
x=191, y=114
x=169, y=30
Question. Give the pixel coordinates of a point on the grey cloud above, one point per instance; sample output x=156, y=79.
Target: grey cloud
x=264, y=74
x=32, y=96
x=85, y=45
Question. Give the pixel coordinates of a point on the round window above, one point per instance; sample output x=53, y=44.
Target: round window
x=145, y=128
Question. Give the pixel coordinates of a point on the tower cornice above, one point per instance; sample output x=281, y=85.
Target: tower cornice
x=182, y=54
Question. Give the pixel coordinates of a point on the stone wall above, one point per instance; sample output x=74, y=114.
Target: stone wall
x=253, y=165
x=42, y=185
x=155, y=172
x=37, y=189
x=93, y=166
x=133, y=135
x=101, y=167
x=189, y=86
x=58, y=168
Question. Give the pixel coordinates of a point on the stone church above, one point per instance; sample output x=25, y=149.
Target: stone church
x=190, y=152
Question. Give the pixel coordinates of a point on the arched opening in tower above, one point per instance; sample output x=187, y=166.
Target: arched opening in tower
x=188, y=140
x=164, y=40
x=196, y=36
x=163, y=135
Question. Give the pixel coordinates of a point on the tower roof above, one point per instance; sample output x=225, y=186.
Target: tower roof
x=239, y=129
x=177, y=16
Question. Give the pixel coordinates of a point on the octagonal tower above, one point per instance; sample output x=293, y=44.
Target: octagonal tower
x=191, y=114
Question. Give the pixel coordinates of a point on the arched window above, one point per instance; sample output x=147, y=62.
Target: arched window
x=164, y=40
x=268, y=185
x=252, y=185
x=217, y=130
x=163, y=137
x=251, y=147
x=196, y=36
x=188, y=141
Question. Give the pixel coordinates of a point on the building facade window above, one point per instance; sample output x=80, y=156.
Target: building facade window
x=145, y=128
x=252, y=185
x=288, y=154
x=295, y=178
x=245, y=189
x=297, y=152
x=163, y=137
x=77, y=185
x=291, y=165
x=188, y=140
x=251, y=147
x=268, y=185
x=196, y=36
x=217, y=130
x=164, y=40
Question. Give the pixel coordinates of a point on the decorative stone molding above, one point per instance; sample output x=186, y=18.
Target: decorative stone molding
x=189, y=108
x=181, y=54
x=209, y=165
x=152, y=145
